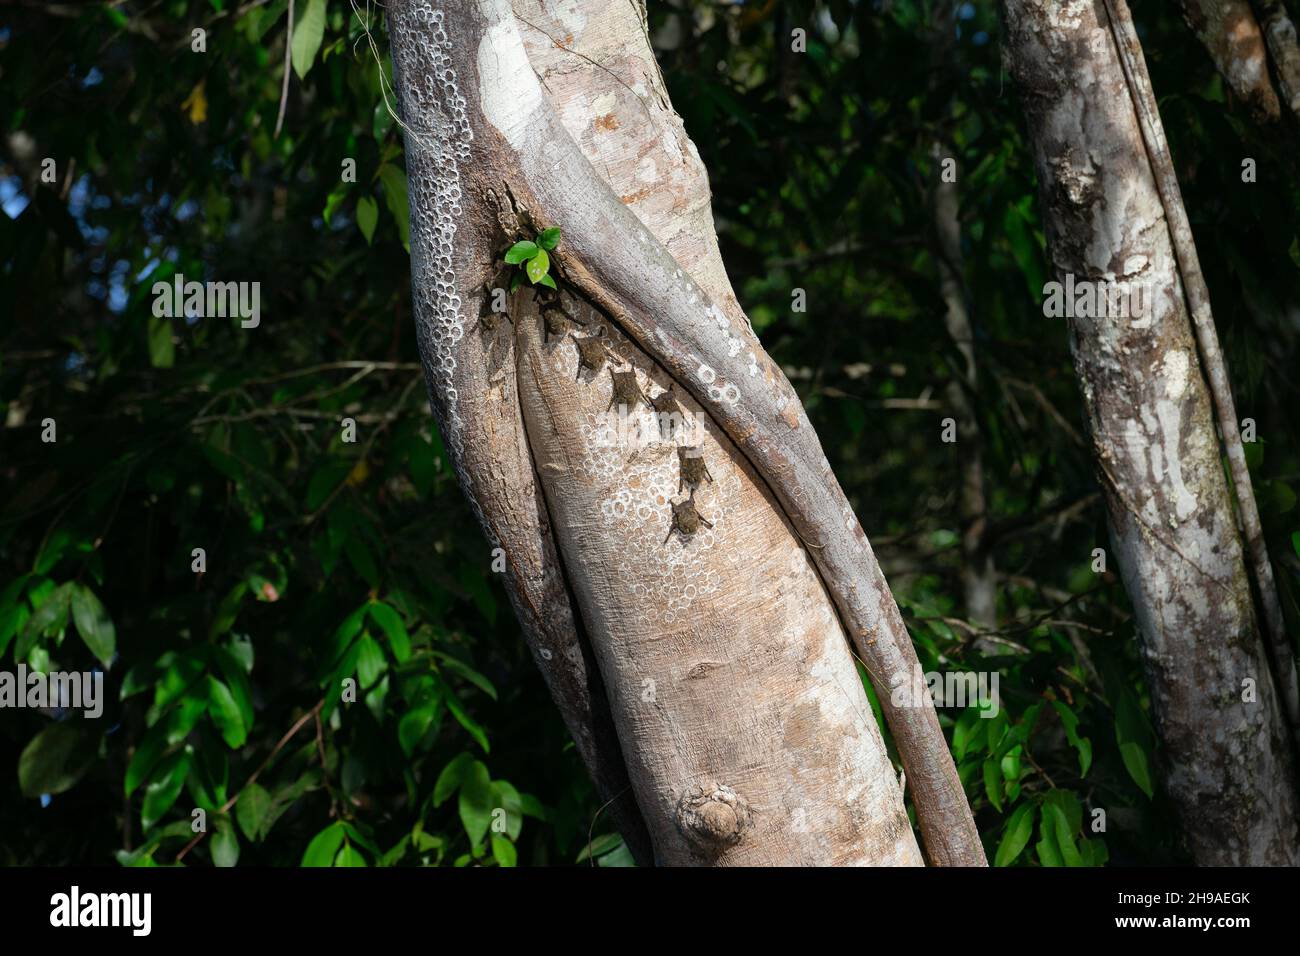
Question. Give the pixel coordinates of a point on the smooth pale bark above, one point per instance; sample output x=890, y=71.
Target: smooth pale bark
x=725, y=662
x=492, y=150
x=1226, y=760
x=731, y=637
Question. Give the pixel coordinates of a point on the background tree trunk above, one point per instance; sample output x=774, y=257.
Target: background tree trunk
x=745, y=729
x=978, y=573
x=1227, y=760
x=1236, y=44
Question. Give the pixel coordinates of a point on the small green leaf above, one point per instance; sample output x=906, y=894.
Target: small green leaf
x=1055, y=818
x=226, y=714
x=390, y=622
x=547, y=281
x=503, y=851
x=993, y=783
x=464, y=670
x=253, y=811
x=164, y=787
x=1048, y=852
x=506, y=797
x=51, y=616
x=449, y=780
x=145, y=758
x=370, y=662
x=1017, y=833
x=225, y=842
x=413, y=726
x=605, y=843
x=521, y=251
x=308, y=31
x=466, y=721
x=531, y=806
x=56, y=758
x=94, y=624
x=1135, y=761
x=324, y=846
x=475, y=804
x=367, y=217
x=550, y=238
x=349, y=855
x=538, y=266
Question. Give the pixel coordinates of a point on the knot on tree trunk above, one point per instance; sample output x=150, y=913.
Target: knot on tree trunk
x=713, y=817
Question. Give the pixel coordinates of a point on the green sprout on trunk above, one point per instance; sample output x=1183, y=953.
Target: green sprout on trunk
x=535, y=258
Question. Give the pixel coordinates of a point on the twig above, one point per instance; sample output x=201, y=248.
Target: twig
x=288, y=68
x=289, y=734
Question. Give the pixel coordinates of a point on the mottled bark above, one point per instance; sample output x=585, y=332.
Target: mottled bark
x=1143, y=97
x=1280, y=32
x=1235, y=42
x=732, y=722
x=1225, y=753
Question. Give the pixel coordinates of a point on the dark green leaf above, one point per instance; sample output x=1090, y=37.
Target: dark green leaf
x=94, y=624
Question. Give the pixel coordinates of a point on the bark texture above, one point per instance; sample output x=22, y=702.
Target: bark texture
x=478, y=412
x=1226, y=759
x=1143, y=98
x=1280, y=32
x=1236, y=44
x=723, y=744
x=726, y=665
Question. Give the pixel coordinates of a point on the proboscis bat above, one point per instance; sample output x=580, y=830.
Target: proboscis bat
x=556, y=319
x=669, y=412
x=686, y=518
x=626, y=391
x=591, y=353
x=693, y=469
x=490, y=323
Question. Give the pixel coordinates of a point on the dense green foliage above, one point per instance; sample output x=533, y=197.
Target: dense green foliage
x=328, y=559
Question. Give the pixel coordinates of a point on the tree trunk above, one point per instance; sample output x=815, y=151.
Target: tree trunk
x=1226, y=755
x=1229, y=31
x=1280, y=32
x=1253, y=45
x=743, y=727
x=978, y=573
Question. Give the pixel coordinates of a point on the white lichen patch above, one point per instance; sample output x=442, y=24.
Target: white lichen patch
x=1175, y=368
